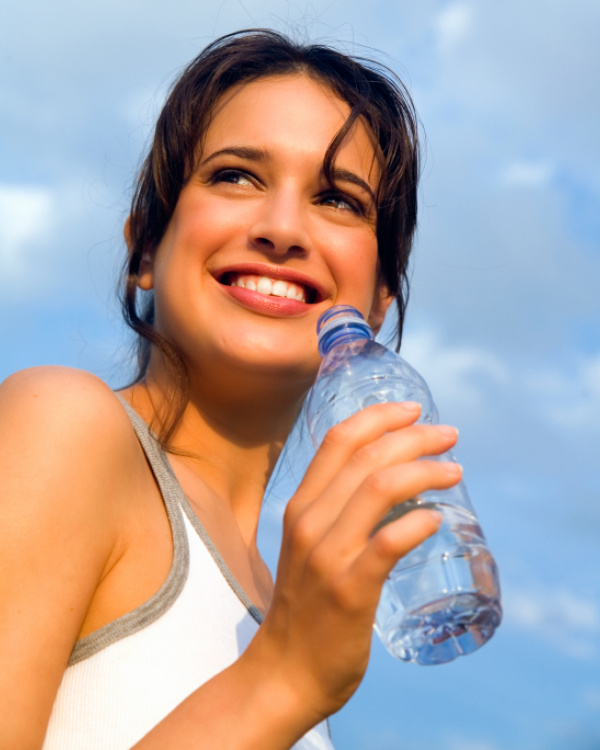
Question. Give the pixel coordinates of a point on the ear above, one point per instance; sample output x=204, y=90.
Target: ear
x=383, y=299
x=127, y=232
x=146, y=273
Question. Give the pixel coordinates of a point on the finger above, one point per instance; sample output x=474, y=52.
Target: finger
x=388, y=545
x=336, y=548
x=393, y=449
x=343, y=440
x=381, y=491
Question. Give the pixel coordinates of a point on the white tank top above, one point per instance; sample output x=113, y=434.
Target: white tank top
x=125, y=677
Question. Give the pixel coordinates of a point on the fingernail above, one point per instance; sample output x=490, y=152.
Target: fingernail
x=436, y=516
x=447, y=431
x=454, y=469
x=410, y=405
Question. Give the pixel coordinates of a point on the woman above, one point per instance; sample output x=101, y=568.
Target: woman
x=281, y=181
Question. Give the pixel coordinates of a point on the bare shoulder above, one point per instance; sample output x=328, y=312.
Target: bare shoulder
x=54, y=410
x=57, y=398
x=66, y=454
x=66, y=447
x=67, y=451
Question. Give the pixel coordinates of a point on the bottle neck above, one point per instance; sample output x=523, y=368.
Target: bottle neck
x=342, y=324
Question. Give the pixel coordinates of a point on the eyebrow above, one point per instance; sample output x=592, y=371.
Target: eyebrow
x=344, y=175
x=244, y=152
x=261, y=155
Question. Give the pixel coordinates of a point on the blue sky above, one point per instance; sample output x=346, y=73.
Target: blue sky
x=504, y=318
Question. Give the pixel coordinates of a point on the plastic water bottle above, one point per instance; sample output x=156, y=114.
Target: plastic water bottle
x=442, y=599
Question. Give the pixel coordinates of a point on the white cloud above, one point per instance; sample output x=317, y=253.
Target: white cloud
x=467, y=378
x=56, y=242
x=526, y=174
x=522, y=73
x=26, y=218
x=455, y=374
x=570, y=399
x=452, y=24
x=566, y=620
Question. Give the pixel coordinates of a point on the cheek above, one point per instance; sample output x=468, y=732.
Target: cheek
x=195, y=223
x=357, y=274
x=205, y=218
x=188, y=243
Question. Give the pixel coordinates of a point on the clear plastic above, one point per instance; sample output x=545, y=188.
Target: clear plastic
x=442, y=600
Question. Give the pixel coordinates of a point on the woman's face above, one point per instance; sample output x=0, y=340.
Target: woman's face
x=259, y=244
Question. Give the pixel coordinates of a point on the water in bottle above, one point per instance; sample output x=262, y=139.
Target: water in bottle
x=442, y=599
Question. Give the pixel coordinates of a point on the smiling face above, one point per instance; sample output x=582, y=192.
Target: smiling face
x=260, y=244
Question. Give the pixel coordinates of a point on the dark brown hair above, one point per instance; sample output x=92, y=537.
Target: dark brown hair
x=373, y=93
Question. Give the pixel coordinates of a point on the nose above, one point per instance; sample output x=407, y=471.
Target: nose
x=280, y=226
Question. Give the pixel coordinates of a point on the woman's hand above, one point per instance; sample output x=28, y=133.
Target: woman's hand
x=316, y=636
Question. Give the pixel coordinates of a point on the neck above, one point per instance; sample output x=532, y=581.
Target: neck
x=229, y=438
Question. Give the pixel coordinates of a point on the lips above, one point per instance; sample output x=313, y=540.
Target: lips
x=279, y=283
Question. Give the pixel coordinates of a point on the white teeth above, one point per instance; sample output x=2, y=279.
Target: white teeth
x=271, y=287
x=264, y=285
x=280, y=289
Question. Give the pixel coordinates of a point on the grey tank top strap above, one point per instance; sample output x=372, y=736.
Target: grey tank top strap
x=173, y=494
x=169, y=486
x=152, y=609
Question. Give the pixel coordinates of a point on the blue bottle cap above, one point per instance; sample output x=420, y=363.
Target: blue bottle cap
x=341, y=322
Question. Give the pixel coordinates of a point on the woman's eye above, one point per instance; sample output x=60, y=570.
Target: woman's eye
x=342, y=203
x=232, y=176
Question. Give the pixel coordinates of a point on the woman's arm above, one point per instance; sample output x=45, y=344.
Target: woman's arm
x=312, y=649
x=65, y=458
x=59, y=457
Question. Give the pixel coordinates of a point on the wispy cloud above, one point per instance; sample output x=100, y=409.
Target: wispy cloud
x=570, y=397
x=569, y=621
x=452, y=24
x=26, y=220
x=455, y=373
x=526, y=174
